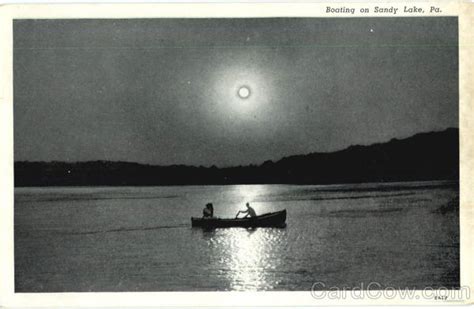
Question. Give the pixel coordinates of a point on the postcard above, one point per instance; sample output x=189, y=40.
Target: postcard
x=236, y=154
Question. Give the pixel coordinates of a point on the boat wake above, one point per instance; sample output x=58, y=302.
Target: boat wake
x=118, y=230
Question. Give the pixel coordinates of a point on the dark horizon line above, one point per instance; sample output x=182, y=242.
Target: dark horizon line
x=446, y=182
x=239, y=165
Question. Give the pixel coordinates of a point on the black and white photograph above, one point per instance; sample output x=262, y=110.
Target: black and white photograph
x=236, y=154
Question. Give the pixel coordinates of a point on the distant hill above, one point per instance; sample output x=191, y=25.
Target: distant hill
x=425, y=156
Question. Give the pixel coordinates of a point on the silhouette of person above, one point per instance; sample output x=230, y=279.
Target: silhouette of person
x=249, y=212
x=208, y=211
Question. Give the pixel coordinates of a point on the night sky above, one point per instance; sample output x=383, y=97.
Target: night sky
x=227, y=91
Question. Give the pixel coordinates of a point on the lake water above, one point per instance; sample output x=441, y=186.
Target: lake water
x=140, y=238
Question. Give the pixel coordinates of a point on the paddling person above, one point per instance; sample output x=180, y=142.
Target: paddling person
x=208, y=211
x=249, y=212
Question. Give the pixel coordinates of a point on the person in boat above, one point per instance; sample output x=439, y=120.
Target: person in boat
x=249, y=212
x=208, y=211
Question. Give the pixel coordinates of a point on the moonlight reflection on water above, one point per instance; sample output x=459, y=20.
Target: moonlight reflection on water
x=140, y=239
x=247, y=257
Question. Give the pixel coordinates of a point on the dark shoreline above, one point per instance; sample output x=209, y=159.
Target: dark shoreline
x=422, y=157
x=389, y=185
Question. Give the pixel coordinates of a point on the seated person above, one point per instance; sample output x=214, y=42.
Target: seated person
x=250, y=212
x=208, y=211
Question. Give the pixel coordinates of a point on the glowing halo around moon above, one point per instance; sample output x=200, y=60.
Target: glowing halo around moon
x=244, y=92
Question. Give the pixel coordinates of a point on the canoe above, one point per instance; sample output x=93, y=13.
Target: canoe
x=272, y=219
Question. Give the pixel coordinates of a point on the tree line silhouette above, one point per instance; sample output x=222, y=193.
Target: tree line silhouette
x=424, y=156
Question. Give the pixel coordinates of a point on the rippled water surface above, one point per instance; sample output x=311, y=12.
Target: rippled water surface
x=140, y=238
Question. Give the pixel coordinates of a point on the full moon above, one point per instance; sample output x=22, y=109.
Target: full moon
x=244, y=92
